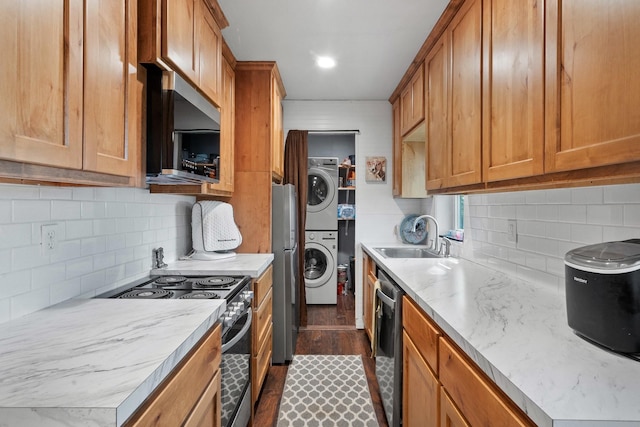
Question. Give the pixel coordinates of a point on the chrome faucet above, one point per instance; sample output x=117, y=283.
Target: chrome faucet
x=435, y=223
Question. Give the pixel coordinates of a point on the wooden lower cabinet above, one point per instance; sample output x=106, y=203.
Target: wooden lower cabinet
x=368, y=283
x=441, y=386
x=191, y=394
x=261, y=331
x=450, y=416
x=420, y=388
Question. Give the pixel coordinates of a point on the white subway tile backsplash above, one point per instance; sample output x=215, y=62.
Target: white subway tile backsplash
x=56, y=193
x=560, y=196
x=93, y=210
x=550, y=223
x=31, y=210
x=63, y=209
x=627, y=194
x=605, y=214
x=29, y=302
x=18, y=192
x=572, y=213
x=5, y=211
x=12, y=235
x=587, y=234
x=587, y=195
x=632, y=215
x=547, y=212
x=78, y=229
x=25, y=257
x=104, y=237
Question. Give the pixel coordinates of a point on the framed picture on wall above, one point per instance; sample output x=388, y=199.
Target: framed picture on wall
x=376, y=169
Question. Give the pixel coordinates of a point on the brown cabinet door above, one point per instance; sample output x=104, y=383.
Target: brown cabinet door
x=420, y=390
x=465, y=36
x=227, y=129
x=42, y=75
x=112, y=90
x=437, y=114
x=368, y=282
x=208, y=410
x=397, y=149
x=450, y=416
x=179, y=36
x=592, y=102
x=513, y=50
x=277, y=133
x=412, y=101
x=209, y=48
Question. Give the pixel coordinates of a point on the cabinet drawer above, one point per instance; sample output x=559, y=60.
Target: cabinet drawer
x=422, y=332
x=477, y=398
x=261, y=322
x=208, y=410
x=261, y=286
x=261, y=363
x=174, y=399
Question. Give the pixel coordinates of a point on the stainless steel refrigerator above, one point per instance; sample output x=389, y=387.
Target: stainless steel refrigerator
x=284, y=220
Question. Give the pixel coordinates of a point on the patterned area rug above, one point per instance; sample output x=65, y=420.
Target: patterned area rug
x=326, y=391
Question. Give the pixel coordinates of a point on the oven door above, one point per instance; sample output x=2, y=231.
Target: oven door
x=236, y=373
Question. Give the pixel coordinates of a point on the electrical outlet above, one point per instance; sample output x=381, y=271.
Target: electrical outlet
x=512, y=230
x=49, y=238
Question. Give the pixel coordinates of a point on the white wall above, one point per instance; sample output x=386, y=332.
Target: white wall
x=549, y=223
x=377, y=212
x=105, y=238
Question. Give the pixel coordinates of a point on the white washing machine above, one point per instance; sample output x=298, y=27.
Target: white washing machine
x=322, y=194
x=320, y=267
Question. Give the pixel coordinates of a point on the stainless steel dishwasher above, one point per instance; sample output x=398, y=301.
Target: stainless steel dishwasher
x=389, y=347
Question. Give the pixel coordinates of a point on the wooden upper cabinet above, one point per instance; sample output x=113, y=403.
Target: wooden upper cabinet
x=465, y=37
x=210, y=54
x=42, y=75
x=437, y=114
x=513, y=50
x=113, y=94
x=397, y=149
x=412, y=102
x=185, y=36
x=227, y=129
x=74, y=103
x=592, y=103
x=277, y=138
x=179, y=41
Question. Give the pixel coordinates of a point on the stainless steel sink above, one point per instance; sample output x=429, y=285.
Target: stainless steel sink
x=407, y=253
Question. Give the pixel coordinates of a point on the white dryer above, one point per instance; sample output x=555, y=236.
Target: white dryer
x=320, y=267
x=322, y=194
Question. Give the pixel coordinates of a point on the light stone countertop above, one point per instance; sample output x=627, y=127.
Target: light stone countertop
x=517, y=333
x=92, y=362
x=242, y=264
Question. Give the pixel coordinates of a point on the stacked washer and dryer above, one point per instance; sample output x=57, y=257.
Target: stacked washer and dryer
x=321, y=231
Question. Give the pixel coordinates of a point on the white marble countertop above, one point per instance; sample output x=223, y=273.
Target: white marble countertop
x=92, y=362
x=517, y=333
x=242, y=264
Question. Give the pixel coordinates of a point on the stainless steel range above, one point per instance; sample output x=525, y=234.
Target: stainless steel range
x=236, y=329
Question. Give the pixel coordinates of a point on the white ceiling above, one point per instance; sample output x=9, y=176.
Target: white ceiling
x=372, y=41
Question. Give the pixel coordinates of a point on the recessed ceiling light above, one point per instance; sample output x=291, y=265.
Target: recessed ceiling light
x=325, y=62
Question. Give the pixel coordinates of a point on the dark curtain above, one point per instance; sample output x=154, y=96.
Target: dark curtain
x=295, y=172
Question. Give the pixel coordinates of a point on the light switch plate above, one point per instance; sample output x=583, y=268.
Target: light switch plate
x=512, y=231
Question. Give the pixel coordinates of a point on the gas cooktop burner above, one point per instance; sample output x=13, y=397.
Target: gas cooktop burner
x=147, y=294
x=200, y=295
x=214, y=282
x=170, y=280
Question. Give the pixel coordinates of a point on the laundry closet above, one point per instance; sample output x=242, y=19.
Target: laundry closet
x=331, y=215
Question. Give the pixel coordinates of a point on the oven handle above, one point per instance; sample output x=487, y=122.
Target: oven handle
x=240, y=334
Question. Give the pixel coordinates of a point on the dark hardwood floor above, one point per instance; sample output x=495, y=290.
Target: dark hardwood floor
x=330, y=330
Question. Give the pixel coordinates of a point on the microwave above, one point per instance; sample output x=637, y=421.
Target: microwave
x=183, y=131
